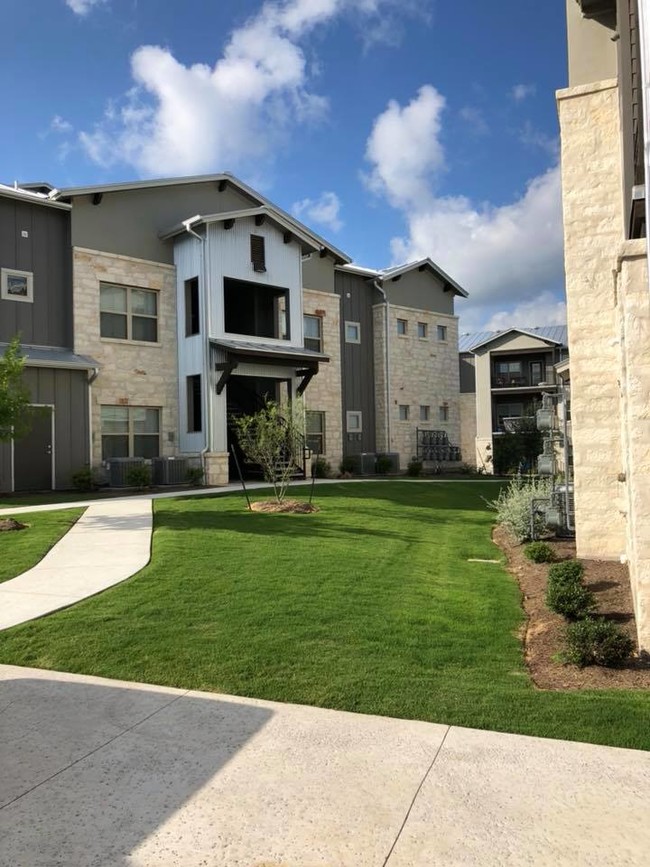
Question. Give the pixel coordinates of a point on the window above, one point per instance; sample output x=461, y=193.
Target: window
x=17, y=285
x=192, y=316
x=258, y=255
x=130, y=432
x=442, y=332
x=423, y=330
x=424, y=413
x=352, y=332
x=256, y=309
x=402, y=327
x=353, y=422
x=194, y=405
x=315, y=427
x=508, y=410
x=536, y=374
x=443, y=412
x=512, y=368
x=404, y=412
x=313, y=333
x=127, y=313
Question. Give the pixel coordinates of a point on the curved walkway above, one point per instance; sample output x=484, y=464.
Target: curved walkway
x=109, y=543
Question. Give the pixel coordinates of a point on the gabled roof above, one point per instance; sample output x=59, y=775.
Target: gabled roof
x=273, y=214
x=396, y=271
x=552, y=334
x=32, y=196
x=220, y=178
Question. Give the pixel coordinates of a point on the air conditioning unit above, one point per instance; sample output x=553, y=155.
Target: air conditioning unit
x=119, y=468
x=544, y=419
x=394, y=460
x=367, y=462
x=546, y=465
x=169, y=471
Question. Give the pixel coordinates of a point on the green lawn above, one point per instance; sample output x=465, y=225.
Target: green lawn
x=22, y=549
x=369, y=605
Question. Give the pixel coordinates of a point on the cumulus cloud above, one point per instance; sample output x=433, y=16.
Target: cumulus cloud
x=502, y=254
x=59, y=124
x=547, y=309
x=323, y=211
x=83, y=7
x=520, y=92
x=183, y=119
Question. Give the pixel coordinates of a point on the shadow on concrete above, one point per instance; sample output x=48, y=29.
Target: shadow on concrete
x=91, y=771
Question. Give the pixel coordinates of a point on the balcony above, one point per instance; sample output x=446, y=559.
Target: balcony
x=514, y=380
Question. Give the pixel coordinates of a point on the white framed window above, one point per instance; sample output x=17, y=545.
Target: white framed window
x=423, y=330
x=128, y=313
x=402, y=327
x=315, y=431
x=353, y=421
x=130, y=432
x=353, y=332
x=313, y=326
x=442, y=332
x=443, y=412
x=404, y=412
x=16, y=285
x=425, y=412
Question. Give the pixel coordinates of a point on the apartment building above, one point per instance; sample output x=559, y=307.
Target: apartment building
x=603, y=117
x=196, y=298
x=503, y=375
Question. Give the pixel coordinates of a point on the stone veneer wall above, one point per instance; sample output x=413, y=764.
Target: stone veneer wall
x=131, y=373
x=324, y=391
x=468, y=428
x=593, y=230
x=379, y=348
x=423, y=372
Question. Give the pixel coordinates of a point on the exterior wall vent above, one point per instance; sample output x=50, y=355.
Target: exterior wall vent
x=258, y=255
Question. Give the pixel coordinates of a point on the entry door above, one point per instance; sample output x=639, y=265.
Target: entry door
x=33, y=454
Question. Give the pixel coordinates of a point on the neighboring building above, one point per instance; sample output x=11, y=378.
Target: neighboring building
x=603, y=114
x=196, y=298
x=503, y=375
x=36, y=303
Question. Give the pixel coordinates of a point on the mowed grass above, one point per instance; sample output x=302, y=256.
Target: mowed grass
x=22, y=549
x=370, y=605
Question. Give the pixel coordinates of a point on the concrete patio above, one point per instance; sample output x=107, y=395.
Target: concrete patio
x=111, y=774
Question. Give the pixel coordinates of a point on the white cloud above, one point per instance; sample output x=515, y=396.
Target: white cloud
x=475, y=119
x=323, y=211
x=183, y=119
x=547, y=309
x=535, y=138
x=83, y=7
x=502, y=254
x=520, y=92
x=59, y=124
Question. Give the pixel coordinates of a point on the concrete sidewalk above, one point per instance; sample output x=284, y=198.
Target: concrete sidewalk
x=99, y=772
x=109, y=543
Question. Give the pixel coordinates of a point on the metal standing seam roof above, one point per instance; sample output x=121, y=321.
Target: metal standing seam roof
x=37, y=356
x=269, y=350
x=558, y=333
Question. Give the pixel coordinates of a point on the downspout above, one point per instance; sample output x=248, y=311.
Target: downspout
x=381, y=290
x=92, y=376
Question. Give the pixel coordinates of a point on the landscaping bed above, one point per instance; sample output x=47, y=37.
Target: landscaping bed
x=544, y=631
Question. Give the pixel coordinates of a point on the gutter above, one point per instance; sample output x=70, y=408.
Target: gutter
x=381, y=290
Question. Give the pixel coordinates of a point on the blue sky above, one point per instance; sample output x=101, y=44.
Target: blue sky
x=396, y=128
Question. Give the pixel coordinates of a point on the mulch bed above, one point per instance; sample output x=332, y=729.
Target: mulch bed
x=543, y=633
x=296, y=507
x=9, y=524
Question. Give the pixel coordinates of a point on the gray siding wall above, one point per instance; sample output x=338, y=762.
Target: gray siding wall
x=46, y=254
x=128, y=222
x=318, y=273
x=467, y=374
x=357, y=367
x=420, y=290
x=67, y=390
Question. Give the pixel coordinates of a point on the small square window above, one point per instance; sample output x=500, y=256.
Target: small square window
x=352, y=332
x=402, y=327
x=423, y=330
x=442, y=332
x=443, y=413
x=353, y=422
x=17, y=285
x=404, y=412
x=424, y=413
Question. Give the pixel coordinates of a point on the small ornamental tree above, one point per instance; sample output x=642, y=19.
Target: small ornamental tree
x=15, y=416
x=274, y=439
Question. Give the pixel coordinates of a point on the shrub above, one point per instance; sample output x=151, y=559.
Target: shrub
x=513, y=506
x=384, y=465
x=84, y=480
x=194, y=475
x=539, y=552
x=414, y=467
x=570, y=599
x=349, y=464
x=596, y=641
x=321, y=469
x=139, y=477
x=566, y=572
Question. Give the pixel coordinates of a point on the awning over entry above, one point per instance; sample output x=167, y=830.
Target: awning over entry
x=300, y=361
